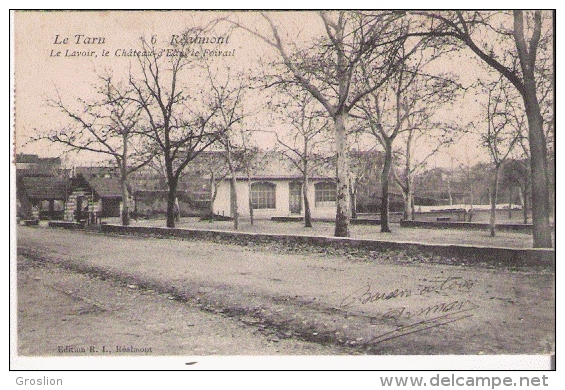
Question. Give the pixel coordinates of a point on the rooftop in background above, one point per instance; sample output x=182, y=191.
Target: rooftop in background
x=105, y=187
x=273, y=165
x=33, y=165
x=23, y=158
x=42, y=188
x=98, y=171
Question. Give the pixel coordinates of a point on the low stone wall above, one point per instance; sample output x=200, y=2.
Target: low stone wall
x=450, y=254
x=287, y=219
x=66, y=224
x=526, y=228
x=362, y=221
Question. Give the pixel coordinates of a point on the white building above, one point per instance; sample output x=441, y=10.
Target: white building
x=278, y=196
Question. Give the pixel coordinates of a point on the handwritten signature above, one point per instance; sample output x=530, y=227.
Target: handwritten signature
x=443, y=307
x=449, y=312
x=443, y=285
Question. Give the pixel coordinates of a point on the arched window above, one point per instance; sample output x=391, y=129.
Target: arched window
x=263, y=195
x=325, y=193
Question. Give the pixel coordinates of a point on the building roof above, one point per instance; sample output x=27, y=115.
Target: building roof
x=34, y=158
x=44, y=187
x=105, y=187
x=273, y=166
x=98, y=171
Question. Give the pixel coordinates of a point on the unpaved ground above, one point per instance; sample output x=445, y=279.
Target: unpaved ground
x=66, y=313
x=374, y=307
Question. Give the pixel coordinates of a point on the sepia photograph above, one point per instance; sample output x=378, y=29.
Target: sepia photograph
x=333, y=189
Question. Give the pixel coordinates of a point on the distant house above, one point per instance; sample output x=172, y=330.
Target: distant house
x=150, y=203
x=193, y=194
x=41, y=197
x=37, y=166
x=41, y=186
x=96, y=171
x=100, y=195
x=278, y=196
x=275, y=187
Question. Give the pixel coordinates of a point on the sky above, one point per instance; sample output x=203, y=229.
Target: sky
x=45, y=67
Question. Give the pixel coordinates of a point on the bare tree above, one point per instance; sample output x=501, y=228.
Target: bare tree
x=390, y=110
x=305, y=143
x=329, y=70
x=218, y=172
x=386, y=132
x=511, y=43
x=426, y=96
x=469, y=176
x=212, y=164
x=109, y=125
x=410, y=165
x=250, y=159
x=360, y=171
x=179, y=118
x=229, y=93
x=516, y=115
x=232, y=157
x=499, y=139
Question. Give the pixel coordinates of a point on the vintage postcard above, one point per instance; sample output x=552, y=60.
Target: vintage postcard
x=283, y=189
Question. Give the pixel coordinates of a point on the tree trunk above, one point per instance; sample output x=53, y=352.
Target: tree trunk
x=342, y=195
x=125, y=206
x=213, y=194
x=385, y=174
x=233, y=189
x=526, y=208
x=408, y=196
x=171, y=202
x=307, y=215
x=413, y=207
x=510, y=202
x=524, y=200
x=540, y=192
x=123, y=179
x=353, y=198
x=407, y=190
x=536, y=136
x=493, y=196
x=472, y=201
x=233, y=202
x=408, y=205
x=249, y=201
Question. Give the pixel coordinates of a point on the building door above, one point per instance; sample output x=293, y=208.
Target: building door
x=295, y=198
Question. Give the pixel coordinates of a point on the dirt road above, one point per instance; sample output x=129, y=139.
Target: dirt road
x=317, y=302
x=66, y=313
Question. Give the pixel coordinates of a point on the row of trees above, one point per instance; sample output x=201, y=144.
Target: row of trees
x=369, y=74
x=362, y=53
x=164, y=115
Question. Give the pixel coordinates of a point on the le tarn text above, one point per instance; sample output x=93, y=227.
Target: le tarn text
x=78, y=39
